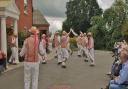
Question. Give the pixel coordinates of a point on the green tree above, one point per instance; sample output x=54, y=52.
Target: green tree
x=79, y=13
x=108, y=28
x=114, y=17
x=99, y=32
x=124, y=30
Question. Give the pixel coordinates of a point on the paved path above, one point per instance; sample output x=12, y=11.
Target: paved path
x=77, y=75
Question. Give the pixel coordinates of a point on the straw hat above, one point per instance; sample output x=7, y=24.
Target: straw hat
x=43, y=35
x=89, y=34
x=56, y=33
x=64, y=33
x=85, y=34
x=34, y=30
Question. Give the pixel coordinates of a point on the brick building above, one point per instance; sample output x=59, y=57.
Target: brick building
x=25, y=16
x=17, y=13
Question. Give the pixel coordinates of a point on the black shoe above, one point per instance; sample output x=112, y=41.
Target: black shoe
x=9, y=62
x=14, y=64
x=113, y=55
x=109, y=73
x=63, y=66
x=79, y=55
x=55, y=56
x=44, y=62
x=71, y=53
x=86, y=60
x=59, y=63
x=92, y=65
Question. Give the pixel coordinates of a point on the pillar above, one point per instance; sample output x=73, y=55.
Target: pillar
x=16, y=32
x=3, y=35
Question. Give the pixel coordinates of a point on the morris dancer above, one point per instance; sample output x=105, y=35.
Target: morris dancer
x=68, y=46
x=31, y=62
x=57, y=47
x=78, y=40
x=64, y=51
x=43, y=43
x=84, y=46
x=90, y=47
x=50, y=42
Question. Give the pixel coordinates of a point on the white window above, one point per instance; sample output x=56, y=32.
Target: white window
x=25, y=6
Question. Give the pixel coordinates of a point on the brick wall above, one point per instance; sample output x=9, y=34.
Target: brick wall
x=24, y=19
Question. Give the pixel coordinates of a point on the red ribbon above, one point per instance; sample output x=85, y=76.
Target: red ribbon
x=35, y=37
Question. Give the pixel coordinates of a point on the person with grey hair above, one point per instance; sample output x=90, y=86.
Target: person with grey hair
x=121, y=81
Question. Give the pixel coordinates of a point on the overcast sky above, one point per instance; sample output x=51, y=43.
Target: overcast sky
x=104, y=4
x=54, y=10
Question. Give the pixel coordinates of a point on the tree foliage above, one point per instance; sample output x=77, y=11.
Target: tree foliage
x=107, y=27
x=79, y=13
x=110, y=27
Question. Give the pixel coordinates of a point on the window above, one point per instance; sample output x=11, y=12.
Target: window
x=25, y=6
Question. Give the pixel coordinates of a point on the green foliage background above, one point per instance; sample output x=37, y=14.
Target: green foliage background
x=107, y=26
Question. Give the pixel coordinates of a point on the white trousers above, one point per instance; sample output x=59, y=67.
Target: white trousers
x=58, y=54
x=50, y=46
x=91, y=55
x=84, y=51
x=31, y=73
x=56, y=48
x=45, y=55
x=13, y=55
x=64, y=54
x=79, y=49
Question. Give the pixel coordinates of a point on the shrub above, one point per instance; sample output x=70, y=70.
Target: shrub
x=73, y=44
x=21, y=37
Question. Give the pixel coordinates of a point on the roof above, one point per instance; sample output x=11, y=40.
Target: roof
x=38, y=18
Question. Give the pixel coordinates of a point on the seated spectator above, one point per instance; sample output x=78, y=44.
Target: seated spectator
x=115, y=49
x=116, y=67
x=116, y=58
x=121, y=81
x=118, y=47
x=2, y=60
